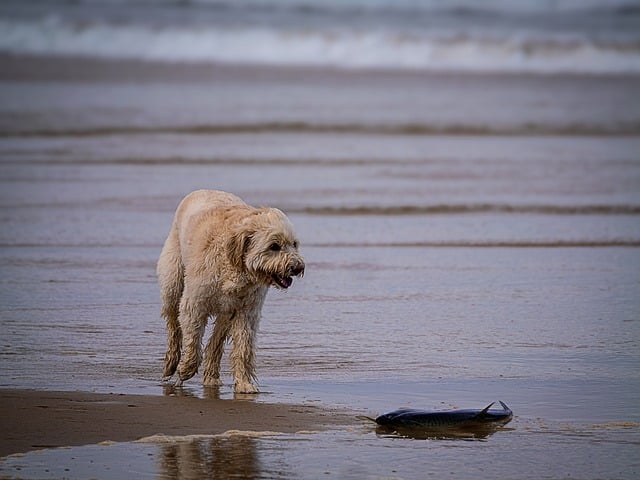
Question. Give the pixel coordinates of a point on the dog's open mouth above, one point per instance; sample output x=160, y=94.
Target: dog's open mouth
x=282, y=282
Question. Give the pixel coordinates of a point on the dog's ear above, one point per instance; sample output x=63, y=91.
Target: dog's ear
x=237, y=245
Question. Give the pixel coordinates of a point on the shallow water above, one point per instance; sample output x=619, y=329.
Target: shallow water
x=359, y=453
x=443, y=270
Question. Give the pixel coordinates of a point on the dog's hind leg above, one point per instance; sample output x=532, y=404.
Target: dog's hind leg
x=193, y=321
x=170, y=271
x=214, y=351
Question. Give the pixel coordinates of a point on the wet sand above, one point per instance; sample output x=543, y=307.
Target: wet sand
x=34, y=420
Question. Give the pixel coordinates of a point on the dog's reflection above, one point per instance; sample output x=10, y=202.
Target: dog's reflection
x=209, y=392
x=220, y=457
x=225, y=456
x=171, y=390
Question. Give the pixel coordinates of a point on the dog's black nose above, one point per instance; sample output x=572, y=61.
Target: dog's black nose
x=297, y=269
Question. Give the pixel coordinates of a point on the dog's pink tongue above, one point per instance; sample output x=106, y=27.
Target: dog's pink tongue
x=286, y=281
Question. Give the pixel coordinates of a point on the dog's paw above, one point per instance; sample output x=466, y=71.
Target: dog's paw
x=245, y=387
x=211, y=381
x=169, y=369
x=187, y=370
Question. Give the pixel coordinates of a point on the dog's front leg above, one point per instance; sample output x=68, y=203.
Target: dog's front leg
x=193, y=321
x=243, y=333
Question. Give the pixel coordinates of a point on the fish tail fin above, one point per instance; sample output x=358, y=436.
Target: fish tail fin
x=504, y=406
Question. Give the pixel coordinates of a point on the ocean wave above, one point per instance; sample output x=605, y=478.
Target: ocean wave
x=9, y=129
x=449, y=209
x=623, y=243
x=340, y=47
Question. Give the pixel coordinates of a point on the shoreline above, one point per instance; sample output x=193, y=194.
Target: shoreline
x=35, y=419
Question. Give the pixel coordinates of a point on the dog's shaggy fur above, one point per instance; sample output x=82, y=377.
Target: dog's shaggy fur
x=219, y=260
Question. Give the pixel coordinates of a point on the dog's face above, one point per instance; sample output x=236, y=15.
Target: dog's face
x=268, y=248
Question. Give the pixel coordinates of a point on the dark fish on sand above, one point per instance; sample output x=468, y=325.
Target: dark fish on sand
x=423, y=423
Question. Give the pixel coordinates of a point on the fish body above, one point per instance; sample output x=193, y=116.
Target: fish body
x=407, y=419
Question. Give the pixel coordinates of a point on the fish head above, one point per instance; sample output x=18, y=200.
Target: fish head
x=385, y=419
x=391, y=417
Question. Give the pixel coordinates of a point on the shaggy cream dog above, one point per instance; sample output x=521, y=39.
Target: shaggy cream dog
x=219, y=260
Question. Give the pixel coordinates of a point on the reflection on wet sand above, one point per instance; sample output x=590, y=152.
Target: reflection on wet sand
x=229, y=457
x=475, y=433
x=171, y=390
x=208, y=392
x=234, y=454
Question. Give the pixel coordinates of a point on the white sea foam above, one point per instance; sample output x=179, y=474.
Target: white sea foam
x=339, y=47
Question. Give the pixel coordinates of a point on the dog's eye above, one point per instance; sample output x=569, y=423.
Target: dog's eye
x=295, y=244
x=275, y=247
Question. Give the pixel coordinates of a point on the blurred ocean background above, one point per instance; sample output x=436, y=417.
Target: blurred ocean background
x=536, y=36
x=464, y=177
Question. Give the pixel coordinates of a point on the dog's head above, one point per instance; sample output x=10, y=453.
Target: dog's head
x=265, y=245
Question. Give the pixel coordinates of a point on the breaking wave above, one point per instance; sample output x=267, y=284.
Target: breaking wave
x=323, y=46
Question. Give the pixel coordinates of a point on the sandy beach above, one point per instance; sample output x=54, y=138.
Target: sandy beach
x=35, y=420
